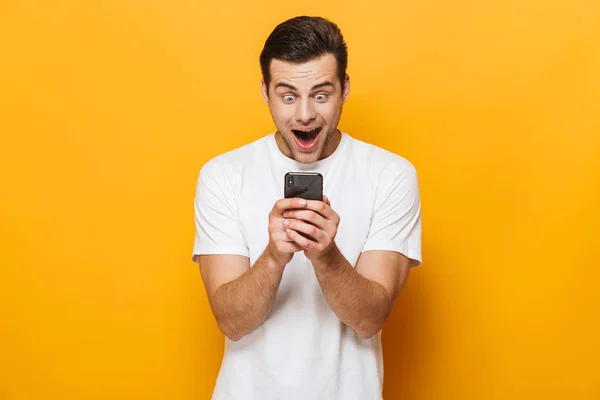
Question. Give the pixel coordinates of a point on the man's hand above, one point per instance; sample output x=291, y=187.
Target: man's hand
x=281, y=247
x=241, y=296
x=317, y=220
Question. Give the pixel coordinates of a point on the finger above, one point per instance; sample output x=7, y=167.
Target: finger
x=326, y=200
x=320, y=207
x=308, y=229
x=308, y=216
x=291, y=246
x=282, y=236
x=285, y=204
x=304, y=235
x=304, y=243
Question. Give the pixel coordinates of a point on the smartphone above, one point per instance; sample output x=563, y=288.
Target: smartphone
x=306, y=185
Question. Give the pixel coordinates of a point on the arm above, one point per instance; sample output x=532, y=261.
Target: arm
x=240, y=297
x=362, y=298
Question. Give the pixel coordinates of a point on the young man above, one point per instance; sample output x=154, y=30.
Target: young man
x=303, y=318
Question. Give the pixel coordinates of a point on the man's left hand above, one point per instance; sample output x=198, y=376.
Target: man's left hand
x=317, y=220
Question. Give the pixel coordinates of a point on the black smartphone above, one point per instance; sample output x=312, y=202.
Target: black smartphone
x=306, y=185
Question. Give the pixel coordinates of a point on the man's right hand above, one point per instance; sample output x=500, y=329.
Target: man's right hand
x=281, y=248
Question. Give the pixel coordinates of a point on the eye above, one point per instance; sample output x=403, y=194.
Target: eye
x=321, y=97
x=288, y=98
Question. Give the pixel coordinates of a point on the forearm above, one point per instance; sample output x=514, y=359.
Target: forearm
x=358, y=302
x=241, y=305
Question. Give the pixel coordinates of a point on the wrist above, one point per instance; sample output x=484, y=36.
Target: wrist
x=273, y=260
x=329, y=259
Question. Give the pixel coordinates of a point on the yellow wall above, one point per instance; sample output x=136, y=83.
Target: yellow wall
x=109, y=108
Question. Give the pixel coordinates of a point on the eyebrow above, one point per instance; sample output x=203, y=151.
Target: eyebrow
x=317, y=86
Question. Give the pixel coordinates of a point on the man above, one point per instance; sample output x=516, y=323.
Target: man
x=303, y=318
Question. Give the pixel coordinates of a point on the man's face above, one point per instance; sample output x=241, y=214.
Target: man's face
x=306, y=102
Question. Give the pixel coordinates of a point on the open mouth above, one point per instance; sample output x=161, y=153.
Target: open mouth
x=306, y=139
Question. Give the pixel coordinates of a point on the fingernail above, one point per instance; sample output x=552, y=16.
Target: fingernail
x=286, y=222
x=301, y=202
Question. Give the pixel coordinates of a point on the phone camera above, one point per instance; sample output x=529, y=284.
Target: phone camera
x=290, y=182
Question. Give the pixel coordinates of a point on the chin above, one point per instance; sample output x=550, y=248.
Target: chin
x=306, y=158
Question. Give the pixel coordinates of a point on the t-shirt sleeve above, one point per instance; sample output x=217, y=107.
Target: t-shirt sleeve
x=396, y=221
x=218, y=229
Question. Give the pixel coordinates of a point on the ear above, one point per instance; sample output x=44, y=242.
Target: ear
x=346, y=89
x=265, y=91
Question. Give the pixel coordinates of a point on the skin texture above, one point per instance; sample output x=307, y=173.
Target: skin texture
x=309, y=105
x=304, y=96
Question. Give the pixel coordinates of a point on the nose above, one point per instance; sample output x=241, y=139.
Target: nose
x=305, y=111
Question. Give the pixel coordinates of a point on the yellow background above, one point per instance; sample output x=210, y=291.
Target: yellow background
x=108, y=109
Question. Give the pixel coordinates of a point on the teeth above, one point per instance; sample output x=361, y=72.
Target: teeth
x=304, y=131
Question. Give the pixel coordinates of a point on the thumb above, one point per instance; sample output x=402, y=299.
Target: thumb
x=326, y=200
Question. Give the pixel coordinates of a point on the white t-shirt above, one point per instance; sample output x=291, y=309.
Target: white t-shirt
x=303, y=351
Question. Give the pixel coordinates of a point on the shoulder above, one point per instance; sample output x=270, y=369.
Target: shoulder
x=381, y=162
x=232, y=163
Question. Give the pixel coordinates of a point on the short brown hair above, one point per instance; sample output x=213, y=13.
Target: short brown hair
x=302, y=39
